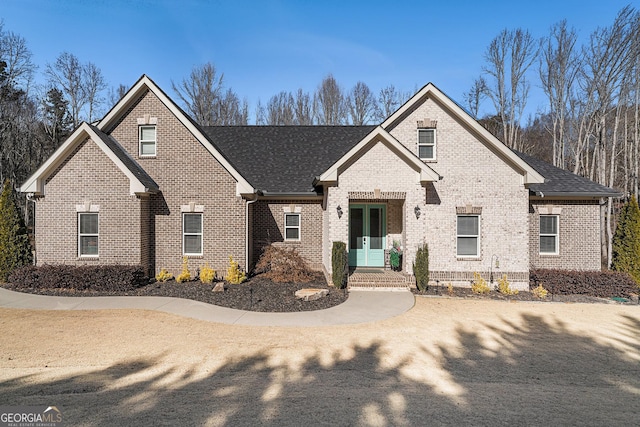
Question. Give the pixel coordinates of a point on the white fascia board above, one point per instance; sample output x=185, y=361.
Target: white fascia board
x=144, y=83
x=530, y=175
x=426, y=173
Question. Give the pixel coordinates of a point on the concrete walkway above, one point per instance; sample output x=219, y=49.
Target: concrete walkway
x=360, y=307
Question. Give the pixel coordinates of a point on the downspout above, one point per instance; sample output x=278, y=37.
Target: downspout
x=246, y=226
x=29, y=198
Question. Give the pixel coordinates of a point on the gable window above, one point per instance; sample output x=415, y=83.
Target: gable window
x=147, y=140
x=468, y=236
x=549, y=235
x=292, y=226
x=192, y=234
x=88, y=234
x=427, y=144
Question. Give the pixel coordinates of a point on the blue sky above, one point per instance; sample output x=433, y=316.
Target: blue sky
x=264, y=47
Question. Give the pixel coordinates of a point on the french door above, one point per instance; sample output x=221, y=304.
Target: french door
x=367, y=235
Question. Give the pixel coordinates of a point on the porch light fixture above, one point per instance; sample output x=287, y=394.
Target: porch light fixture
x=339, y=210
x=416, y=210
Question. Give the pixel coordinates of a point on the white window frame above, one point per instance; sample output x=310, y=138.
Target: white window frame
x=81, y=235
x=185, y=234
x=556, y=235
x=433, y=130
x=292, y=227
x=148, y=141
x=476, y=236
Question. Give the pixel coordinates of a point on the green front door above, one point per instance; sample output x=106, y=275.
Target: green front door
x=367, y=235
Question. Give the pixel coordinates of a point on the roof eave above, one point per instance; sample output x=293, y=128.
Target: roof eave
x=574, y=194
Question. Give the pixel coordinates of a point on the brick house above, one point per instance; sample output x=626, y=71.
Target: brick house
x=147, y=185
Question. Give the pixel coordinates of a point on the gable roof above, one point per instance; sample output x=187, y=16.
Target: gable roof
x=531, y=176
x=562, y=183
x=378, y=134
x=285, y=159
x=143, y=84
x=139, y=180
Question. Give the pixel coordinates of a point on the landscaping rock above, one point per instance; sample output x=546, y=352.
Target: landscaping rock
x=219, y=287
x=311, y=294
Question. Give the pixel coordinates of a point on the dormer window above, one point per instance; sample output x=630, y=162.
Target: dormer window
x=427, y=144
x=147, y=140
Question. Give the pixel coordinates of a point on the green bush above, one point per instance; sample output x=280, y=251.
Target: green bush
x=15, y=249
x=626, y=241
x=339, y=265
x=421, y=268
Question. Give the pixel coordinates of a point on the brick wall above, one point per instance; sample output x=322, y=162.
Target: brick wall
x=186, y=173
x=579, y=228
x=88, y=177
x=268, y=227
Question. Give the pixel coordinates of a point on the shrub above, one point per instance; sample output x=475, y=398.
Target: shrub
x=421, y=268
x=339, y=265
x=450, y=290
x=163, y=275
x=601, y=284
x=479, y=285
x=105, y=278
x=207, y=274
x=394, y=255
x=283, y=265
x=625, y=255
x=235, y=276
x=540, y=292
x=504, y=288
x=185, y=274
x=15, y=249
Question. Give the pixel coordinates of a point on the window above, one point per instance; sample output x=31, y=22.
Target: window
x=427, y=144
x=468, y=236
x=549, y=234
x=291, y=226
x=192, y=234
x=148, y=140
x=88, y=234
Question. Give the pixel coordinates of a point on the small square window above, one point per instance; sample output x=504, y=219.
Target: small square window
x=148, y=140
x=549, y=236
x=427, y=144
x=192, y=234
x=88, y=234
x=468, y=236
x=292, y=226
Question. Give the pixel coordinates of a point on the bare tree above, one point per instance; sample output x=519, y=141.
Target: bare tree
x=67, y=74
x=474, y=97
x=281, y=109
x=389, y=101
x=329, y=103
x=201, y=93
x=116, y=93
x=361, y=104
x=303, y=108
x=508, y=57
x=94, y=84
x=17, y=57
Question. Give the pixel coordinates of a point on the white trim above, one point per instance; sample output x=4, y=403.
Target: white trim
x=476, y=236
x=556, y=235
x=293, y=227
x=35, y=183
x=87, y=207
x=142, y=141
x=81, y=235
x=192, y=207
x=201, y=234
x=428, y=159
x=144, y=84
x=530, y=176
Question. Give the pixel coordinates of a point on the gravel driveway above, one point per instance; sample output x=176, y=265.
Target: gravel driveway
x=445, y=362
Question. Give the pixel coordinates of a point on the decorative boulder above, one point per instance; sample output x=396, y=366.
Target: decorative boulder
x=311, y=294
x=219, y=287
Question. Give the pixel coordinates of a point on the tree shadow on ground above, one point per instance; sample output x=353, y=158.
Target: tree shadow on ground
x=526, y=372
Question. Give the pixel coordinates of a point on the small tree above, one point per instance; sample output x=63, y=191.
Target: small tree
x=15, y=249
x=421, y=268
x=626, y=241
x=339, y=264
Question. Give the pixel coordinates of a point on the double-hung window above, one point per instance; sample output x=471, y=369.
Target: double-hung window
x=549, y=236
x=427, y=144
x=88, y=234
x=292, y=226
x=468, y=236
x=147, y=140
x=192, y=234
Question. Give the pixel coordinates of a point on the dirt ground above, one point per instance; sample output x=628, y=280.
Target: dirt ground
x=445, y=362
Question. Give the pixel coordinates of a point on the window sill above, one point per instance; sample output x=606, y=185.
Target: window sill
x=193, y=256
x=147, y=157
x=461, y=258
x=549, y=255
x=88, y=258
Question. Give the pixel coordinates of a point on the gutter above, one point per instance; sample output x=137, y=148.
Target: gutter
x=290, y=195
x=576, y=194
x=246, y=227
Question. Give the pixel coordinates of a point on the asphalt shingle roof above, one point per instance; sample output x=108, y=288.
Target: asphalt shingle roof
x=560, y=182
x=128, y=161
x=284, y=159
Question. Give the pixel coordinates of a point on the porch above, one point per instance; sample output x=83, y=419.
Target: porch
x=378, y=278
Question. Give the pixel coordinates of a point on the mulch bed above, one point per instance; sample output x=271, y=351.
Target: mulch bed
x=467, y=293
x=256, y=294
